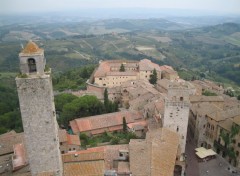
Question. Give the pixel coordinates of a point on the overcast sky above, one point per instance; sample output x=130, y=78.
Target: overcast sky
x=26, y=6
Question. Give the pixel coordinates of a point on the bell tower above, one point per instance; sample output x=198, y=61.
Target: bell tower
x=34, y=86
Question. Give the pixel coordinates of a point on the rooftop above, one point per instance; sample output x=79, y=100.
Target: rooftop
x=31, y=48
x=157, y=153
x=104, y=121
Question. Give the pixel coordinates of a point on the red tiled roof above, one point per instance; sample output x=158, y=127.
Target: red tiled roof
x=104, y=121
x=73, y=139
x=19, y=158
x=140, y=123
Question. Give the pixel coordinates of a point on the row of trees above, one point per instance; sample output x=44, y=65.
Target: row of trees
x=70, y=107
x=10, y=117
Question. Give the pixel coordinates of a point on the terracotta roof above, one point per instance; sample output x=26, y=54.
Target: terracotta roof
x=85, y=155
x=143, y=124
x=31, y=48
x=164, y=152
x=73, y=139
x=106, y=66
x=147, y=65
x=156, y=155
x=8, y=140
x=225, y=114
x=87, y=168
x=204, y=108
x=103, y=121
x=19, y=159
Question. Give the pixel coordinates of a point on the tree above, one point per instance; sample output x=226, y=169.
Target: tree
x=124, y=125
x=87, y=105
x=109, y=105
x=62, y=99
x=122, y=68
x=153, y=77
x=106, y=100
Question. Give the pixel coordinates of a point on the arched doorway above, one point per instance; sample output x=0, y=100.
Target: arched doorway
x=32, y=65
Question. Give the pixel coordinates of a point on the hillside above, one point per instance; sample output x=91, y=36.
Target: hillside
x=210, y=50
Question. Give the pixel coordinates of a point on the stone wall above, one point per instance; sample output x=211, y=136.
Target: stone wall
x=40, y=125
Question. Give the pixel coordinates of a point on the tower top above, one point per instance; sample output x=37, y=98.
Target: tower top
x=31, y=48
x=32, y=60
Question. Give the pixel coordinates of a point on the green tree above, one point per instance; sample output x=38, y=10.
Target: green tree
x=153, y=77
x=124, y=125
x=109, y=105
x=208, y=93
x=87, y=105
x=106, y=100
x=122, y=68
x=62, y=99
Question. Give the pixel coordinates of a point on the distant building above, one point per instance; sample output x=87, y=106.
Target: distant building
x=108, y=73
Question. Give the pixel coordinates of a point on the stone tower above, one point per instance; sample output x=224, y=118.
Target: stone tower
x=177, y=110
x=34, y=86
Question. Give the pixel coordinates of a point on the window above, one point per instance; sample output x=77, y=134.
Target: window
x=181, y=98
x=177, y=128
x=32, y=65
x=100, y=78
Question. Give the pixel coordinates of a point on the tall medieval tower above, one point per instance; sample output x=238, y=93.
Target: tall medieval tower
x=34, y=86
x=177, y=111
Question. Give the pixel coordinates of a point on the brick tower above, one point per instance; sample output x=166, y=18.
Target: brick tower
x=34, y=86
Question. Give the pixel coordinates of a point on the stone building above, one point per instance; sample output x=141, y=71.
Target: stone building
x=156, y=155
x=34, y=86
x=108, y=73
x=176, y=111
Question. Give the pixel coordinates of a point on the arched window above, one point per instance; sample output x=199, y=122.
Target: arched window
x=32, y=65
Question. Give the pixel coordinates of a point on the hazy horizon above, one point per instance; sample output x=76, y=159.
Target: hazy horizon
x=118, y=8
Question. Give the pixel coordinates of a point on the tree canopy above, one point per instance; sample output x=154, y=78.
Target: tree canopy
x=153, y=77
x=122, y=68
x=87, y=105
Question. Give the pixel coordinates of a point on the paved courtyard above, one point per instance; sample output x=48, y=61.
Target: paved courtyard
x=214, y=167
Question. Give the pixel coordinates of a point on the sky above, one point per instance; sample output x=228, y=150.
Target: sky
x=31, y=6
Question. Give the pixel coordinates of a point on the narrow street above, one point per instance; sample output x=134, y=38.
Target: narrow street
x=192, y=162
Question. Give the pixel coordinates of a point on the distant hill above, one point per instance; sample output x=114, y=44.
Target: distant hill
x=209, y=49
x=223, y=29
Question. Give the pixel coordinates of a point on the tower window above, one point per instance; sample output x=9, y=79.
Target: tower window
x=181, y=98
x=32, y=65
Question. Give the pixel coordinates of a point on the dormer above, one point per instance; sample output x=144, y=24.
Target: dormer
x=32, y=60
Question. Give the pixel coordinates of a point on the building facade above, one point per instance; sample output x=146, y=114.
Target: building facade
x=34, y=86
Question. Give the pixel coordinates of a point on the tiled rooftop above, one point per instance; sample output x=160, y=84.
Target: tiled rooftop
x=104, y=121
